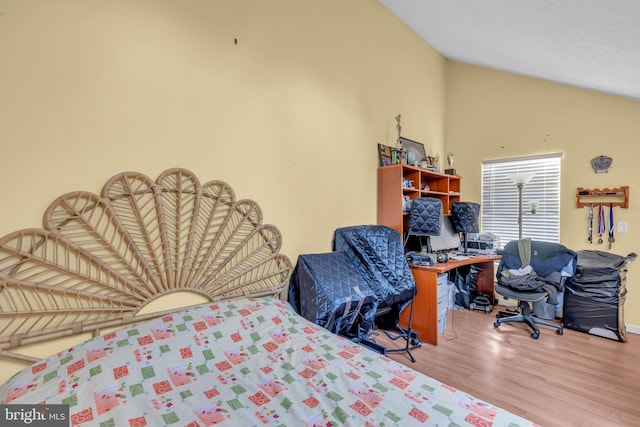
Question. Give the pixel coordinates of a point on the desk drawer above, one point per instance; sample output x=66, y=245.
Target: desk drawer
x=442, y=321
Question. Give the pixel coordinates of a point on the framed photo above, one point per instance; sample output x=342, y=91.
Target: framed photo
x=415, y=150
x=386, y=155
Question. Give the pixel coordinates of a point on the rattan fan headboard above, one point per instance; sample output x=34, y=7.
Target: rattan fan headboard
x=100, y=259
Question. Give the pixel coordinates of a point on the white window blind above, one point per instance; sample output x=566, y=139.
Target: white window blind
x=500, y=198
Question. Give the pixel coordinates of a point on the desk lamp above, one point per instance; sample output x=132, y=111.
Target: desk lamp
x=520, y=179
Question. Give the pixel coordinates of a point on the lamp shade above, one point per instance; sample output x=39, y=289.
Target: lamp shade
x=521, y=177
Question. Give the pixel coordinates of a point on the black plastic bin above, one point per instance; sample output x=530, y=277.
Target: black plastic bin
x=594, y=297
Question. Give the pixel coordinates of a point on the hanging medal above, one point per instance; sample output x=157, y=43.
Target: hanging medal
x=590, y=217
x=611, y=239
x=601, y=224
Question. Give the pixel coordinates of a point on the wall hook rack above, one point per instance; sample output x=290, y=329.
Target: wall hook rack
x=611, y=196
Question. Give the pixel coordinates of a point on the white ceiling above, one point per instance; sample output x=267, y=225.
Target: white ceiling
x=593, y=44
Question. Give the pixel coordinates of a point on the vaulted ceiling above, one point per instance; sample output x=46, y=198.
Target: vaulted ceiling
x=592, y=44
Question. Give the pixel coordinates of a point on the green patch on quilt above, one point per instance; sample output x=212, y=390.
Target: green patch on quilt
x=331, y=376
x=96, y=370
x=260, y=319
x=443, y=409
x=238, y=389
x=133, y=332
x=108, y=423
x=380, y=387
x=66, y=359
x=50, y=376
x=165, y=348
x=286, y=403
x=340, y=415
x=170, y=418
x=245, y=371
x=202, y=369
x=208, y=354
x=329, y=356
x=229, y=313
x=428, y=388
x=185, y=394
x=293, y=321
x=288, y=379
x=148, y=372
x=71, y=400
x=368, y=359
x=255, y=336
x=334, y=396
x=122, y=343
x=136, y=389
x=373, y=374
x=393, y=417
x=253, y=349
x=234, y=404
x=327, y=347
x=288, y=366
x=292, y=330
x=181, y=327
x=290, y=350
x=187, y=318
x=217, y=335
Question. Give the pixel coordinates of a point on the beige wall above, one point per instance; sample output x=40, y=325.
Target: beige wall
x=493, y=115
x=289, y=116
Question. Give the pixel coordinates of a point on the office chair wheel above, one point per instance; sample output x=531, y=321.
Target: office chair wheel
x=559, y=331
x=535, y=335
x=496, y=324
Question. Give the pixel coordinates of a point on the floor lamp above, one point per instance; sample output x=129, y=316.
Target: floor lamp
x=520, y=180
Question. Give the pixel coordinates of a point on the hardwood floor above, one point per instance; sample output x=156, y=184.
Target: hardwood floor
x=575, y=379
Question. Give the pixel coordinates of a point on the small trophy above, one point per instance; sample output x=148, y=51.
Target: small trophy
x=450, y=170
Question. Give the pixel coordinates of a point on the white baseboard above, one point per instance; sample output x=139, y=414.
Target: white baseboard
x=633, y=329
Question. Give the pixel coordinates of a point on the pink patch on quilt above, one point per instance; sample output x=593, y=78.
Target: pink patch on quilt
x=367, y=395
x=186, y=353
x=39, y=367
x=244, y=312
x=418, y=414
x=360, y=408
x=199, y=326
x=162, y=387
x=259, y=398
x=209, y=414
x=235, y=337
x=270, y=386
x=168, y=318
x=110, y=336
x=179, y=375
x=106, y=399
x=399, y=383
x=145, y=340
x=270, y=346
x=96, y=352
x=307, y=373
x=223, y=366
x=120, y=371
x=75, y=366
x=345, y=354
x=81, y=417
x=161, y=332
x=138, y=422
x=211, y=393
x=477, y=421
x=17, y=391
x=311, y=402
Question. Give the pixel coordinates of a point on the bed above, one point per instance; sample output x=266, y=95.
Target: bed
x=243, y=357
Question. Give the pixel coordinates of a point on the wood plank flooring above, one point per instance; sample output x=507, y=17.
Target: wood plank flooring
x=575, y=379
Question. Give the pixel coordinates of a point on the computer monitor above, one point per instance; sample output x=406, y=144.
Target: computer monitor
x=448, y=239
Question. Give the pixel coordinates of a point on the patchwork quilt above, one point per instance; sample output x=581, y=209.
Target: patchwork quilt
x=248, y=362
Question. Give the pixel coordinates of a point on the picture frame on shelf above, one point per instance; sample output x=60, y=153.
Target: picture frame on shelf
x=414, y=150
x=386, y=154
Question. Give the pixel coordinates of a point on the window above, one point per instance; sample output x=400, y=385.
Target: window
x=500, y=198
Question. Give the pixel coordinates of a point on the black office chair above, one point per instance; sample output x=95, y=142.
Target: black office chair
x=425, y=220
x=464, y=216
x=533, y=272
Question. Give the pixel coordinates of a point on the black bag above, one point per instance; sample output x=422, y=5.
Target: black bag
x=465, y=279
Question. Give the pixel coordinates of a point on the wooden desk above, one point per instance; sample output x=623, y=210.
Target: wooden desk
x=425, y=310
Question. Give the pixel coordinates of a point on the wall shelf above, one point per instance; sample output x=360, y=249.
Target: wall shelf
x=611, y=196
